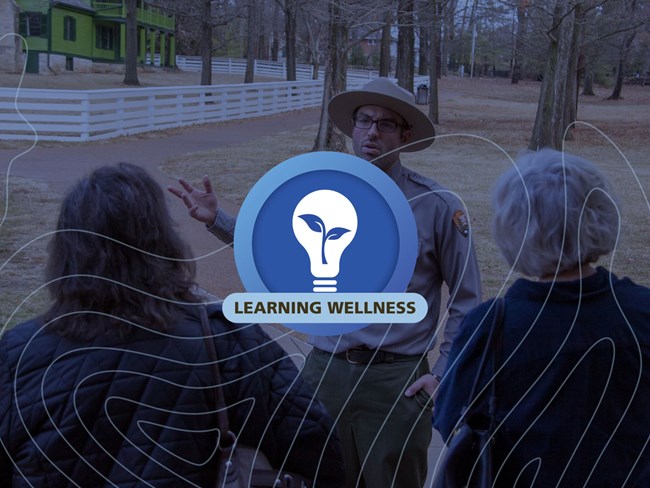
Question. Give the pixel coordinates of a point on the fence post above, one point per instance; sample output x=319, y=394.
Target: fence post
x=151, y=105
x=84, y=134
x=120, y=115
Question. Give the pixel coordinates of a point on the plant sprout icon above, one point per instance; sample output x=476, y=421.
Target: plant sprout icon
x=325, y=223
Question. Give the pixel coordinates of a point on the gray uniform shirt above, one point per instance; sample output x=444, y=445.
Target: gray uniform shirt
x=445, y=254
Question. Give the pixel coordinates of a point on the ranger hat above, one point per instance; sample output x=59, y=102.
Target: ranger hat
x=384, y=93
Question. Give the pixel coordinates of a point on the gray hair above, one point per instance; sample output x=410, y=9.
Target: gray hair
x=553, y=212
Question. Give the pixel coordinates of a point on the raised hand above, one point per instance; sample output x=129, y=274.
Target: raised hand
x=202, y=204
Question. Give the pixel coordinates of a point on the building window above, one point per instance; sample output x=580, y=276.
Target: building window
x=105, y=37
x=33, y=24
x=69, y=28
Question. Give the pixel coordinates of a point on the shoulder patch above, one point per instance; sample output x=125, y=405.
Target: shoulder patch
x=461, y=222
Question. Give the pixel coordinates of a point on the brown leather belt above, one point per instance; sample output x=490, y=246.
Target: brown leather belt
x=364, y=355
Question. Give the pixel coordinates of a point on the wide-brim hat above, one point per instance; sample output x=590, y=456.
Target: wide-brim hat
x=383, y=92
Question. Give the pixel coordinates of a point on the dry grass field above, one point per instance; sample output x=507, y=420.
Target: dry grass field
x=484, y=123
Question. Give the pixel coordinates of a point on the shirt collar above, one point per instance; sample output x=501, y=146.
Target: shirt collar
x=395, y=171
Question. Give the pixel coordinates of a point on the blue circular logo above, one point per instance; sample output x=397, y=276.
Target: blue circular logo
x=325, y=222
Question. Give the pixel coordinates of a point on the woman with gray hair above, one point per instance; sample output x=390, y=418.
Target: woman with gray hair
x=572, y=376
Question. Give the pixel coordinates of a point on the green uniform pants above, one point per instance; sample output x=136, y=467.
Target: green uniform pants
x=385, y=435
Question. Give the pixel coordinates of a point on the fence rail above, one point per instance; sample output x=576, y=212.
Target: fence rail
x=89, y=115
x=271, y=69
x=70, y=115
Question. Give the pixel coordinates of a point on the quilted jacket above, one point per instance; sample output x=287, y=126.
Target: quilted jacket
x=136, y=411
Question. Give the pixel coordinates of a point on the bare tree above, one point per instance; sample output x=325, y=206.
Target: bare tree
x=574, y=71
x=386, y=38
x=550, y=122
x=203, y=16
x=434, y=22
x=206, y=42
x=405, y=45
x=311, y=30
x=447, y=35
x=251, y=40
x=423, y=53
x=290, y=9
x=275, y=42
x=522, y=20
x=329, y=137
x=624, y=52
x=344, y=16
x=131, y=52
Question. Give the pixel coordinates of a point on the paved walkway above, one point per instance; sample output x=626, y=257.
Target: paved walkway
x=61, y=165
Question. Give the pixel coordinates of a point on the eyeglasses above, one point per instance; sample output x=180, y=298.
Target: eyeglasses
x=383, y=125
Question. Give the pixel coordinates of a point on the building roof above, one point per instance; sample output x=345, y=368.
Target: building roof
x=77, y=4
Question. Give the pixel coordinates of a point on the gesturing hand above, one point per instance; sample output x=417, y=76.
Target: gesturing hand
x=202, y=204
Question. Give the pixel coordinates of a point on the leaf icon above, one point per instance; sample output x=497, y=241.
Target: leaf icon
x=336, y=233
x=314, y=222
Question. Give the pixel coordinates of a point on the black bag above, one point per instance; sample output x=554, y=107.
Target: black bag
x=241, y=466
x=468, y=461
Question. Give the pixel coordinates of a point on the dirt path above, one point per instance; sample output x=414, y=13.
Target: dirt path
x=60, y=165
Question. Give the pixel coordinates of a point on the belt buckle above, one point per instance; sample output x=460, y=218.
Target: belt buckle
x=373, y=356
x=349, y=359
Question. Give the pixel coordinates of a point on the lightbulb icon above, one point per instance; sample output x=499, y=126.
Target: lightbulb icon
x=324, y=223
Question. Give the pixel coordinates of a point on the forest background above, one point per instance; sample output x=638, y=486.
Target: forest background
x=557, y=73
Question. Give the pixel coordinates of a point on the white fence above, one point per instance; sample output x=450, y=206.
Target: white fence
x=271, y=69
x=88, y=115
x=70, y=115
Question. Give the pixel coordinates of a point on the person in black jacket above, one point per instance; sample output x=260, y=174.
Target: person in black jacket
x=113, y=385
x=572, y=368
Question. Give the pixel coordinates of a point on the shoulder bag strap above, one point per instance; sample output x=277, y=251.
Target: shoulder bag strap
x=488, y=350
x=217, y=393
x=497, y=348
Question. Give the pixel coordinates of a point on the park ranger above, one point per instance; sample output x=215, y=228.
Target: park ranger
x=377, y=382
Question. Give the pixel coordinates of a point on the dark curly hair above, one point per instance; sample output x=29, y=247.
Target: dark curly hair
x=116, y=257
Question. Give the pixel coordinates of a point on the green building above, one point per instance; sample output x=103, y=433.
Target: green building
x=83, y=32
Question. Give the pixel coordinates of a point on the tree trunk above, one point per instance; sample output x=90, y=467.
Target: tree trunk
x=290, y=39
x=446, y=35
x=622, y=63
x=472, y=42
x=423, y=59
x=405, y=46
x=384, y=53
x=460, y=53
x=313, y=43
x=206, y=42
x=550, y=119
x=275, y=43
x=522, y=17
x=572, y=93
x=624, y=52
x=251, y=38
x=329, y=138
x=131, y=58
x=434, y=74
x=588, y=90
x=314, y=68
